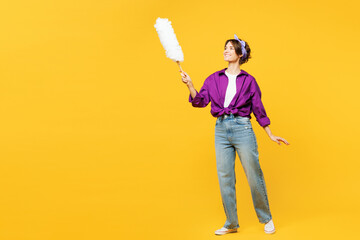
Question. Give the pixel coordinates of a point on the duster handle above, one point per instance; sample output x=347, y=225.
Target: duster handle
x=179, y=65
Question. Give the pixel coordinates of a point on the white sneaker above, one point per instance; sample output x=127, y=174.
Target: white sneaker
x=269, y=227
x=225, y=230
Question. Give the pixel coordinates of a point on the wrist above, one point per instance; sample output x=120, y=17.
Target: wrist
x=190, y=85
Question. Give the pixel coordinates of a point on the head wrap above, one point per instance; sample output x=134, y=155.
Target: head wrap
x=243, y=50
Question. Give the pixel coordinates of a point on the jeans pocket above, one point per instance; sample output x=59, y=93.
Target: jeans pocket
x=242, y=121
x=244, y=125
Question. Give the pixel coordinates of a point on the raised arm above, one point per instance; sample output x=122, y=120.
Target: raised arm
x=198, y=99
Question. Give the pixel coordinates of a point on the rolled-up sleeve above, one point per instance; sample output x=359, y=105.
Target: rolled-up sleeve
x=257, y=105
x=201, y=98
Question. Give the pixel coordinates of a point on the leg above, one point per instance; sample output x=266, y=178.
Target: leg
x=225, y=162
x=249, y=157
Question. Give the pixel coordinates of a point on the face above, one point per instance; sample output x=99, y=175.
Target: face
x=230, y=54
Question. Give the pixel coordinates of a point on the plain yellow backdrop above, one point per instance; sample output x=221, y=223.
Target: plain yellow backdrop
x=99, y=141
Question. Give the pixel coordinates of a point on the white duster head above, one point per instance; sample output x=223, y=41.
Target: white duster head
x=168, y=39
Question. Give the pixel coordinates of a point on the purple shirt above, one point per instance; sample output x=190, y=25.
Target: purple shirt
x=246, y=100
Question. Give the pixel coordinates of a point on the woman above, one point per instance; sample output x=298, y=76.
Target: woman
x=234, y=94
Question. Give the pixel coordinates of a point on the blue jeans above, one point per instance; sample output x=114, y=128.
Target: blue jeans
x=235, y=133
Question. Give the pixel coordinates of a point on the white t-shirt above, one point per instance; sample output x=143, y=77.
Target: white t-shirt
x=231, y=89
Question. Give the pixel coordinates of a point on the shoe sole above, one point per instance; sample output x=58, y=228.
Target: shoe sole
x=270, y=232
x=225, y=232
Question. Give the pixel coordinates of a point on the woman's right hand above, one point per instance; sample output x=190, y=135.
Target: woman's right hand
x=185, y=78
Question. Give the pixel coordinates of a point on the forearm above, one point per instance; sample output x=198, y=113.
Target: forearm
x=267, y=130
x=192, y=89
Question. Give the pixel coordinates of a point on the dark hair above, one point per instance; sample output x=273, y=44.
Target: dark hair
x=237, y=46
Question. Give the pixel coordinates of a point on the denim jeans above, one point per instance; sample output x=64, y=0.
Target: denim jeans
x=235, y=133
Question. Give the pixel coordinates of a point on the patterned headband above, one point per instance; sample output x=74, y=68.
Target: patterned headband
x=243, y=50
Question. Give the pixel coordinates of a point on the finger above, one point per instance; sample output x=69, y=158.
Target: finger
x=284, y=141
x=275, y=140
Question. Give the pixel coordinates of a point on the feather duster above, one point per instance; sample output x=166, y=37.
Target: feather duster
x=168, y=40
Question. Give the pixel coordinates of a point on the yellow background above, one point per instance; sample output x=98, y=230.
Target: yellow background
x=99, y=141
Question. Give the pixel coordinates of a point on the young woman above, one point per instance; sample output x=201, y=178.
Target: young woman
x=234, y=94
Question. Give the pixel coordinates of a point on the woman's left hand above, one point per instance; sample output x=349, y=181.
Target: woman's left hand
x=278, y=139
